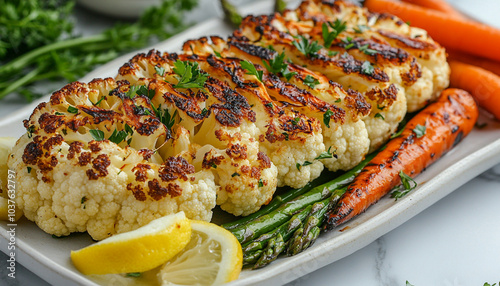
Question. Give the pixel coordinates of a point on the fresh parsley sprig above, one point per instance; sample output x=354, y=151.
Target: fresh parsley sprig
x=407, y=185
x=278, y=65
x=189, y=75
x=306, y=46
x=337, y=26
x=252, y=70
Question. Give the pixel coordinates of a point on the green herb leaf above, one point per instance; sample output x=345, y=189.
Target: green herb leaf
x=278, y=65
x=99, y=101
x=72, y=109
x=261, y=183
x=160, y=70
x=97, y=134
x=252, y=70
x=83, y=200
x=419, y=130
x=118, y=136
x=367, y=68
x=326, y=117
x=365, y=49
x=327, y=154
x=134, y=274
x=311, y=81
x=143, y=90
x=379, y=115
x=164, y=116
x=189, y=75
x=329, y=36
x=361, y=28
x=29, y=170
x=407, y=185
x=235, y=174
x=307, y=47
x=295, y=121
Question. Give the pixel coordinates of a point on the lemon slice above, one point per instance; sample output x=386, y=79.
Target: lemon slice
x=212, y=257
x=136, y=251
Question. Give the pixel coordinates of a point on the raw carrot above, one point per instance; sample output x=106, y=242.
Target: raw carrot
x=446, y=122
x=482, y=84
x=487, y=64
x=438, y=5
x=454, y=33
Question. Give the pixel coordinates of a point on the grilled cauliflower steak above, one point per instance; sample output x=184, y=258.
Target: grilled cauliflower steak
x=286, y=137
x=406, y=54
x=339, y=112
x=90, y=161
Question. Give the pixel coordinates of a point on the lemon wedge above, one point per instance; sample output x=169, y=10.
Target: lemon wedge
x=213, y=256
x=136, y=251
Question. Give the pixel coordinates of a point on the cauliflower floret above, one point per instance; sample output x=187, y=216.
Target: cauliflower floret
x=79, y=168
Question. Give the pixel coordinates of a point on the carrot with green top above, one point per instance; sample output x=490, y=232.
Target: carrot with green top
x=452, y=32
x=482, y=84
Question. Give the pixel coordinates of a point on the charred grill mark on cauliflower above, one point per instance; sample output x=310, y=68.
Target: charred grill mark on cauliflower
x=87, y=164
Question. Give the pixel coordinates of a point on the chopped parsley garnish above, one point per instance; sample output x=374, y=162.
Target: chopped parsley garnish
x=327, y=154
x=160, y=70
x=407, y=185
x=143, y=90
x=379, y=115
x=349, y=43
x=338, y=100
x=213, y=165
x=261, y=183
x=83, y=200
x=97, y=134
x=365, y=49
x=278, y=65
x=99, y=101
x=311, y=81
x=217, y=54
x=361, y=28
x=252, y=70
x=29, y=170
x=72, y=109
x=326, y=117
x=419, y=130
x=295, y=121
x=307, y=47
x=286, y=136
x=133, y=274
x=367, y=68
x=118, y=136
x=189, y=75
x=329, y=36
x=333, y=53
x=129, y=129
x=306, y=163
x=204, y=112
x=235, y=174
x=141, y=110
x=59, y=113
x=269, y=104
x=165, y=116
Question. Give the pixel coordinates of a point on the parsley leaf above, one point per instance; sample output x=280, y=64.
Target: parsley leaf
x=160, y=70
x=72, y=109
x=189, y=75
x=366, y=50
x=311, y=81
x=97, y=134
x=252, y=70
x=419, y=130
x=361, y=28
x=118, y=136
x=379, y=115
x=261, y=183
x=307, y=47
x=337, y=28
x=326, y=117
x=408, y=184
x=367, y=68
x=164, y=116
x=327, y=154
x=134, y=274
x=278, y=65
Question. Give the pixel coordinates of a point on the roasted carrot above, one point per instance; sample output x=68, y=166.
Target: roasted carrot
x=446, y=122
x=487, y=64
x=453, y=33
x=482, y=84
x=438, y=5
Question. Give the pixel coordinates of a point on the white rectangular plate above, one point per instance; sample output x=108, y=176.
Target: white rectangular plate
x=49, y=258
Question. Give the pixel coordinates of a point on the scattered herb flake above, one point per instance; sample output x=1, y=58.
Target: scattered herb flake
x=307, y=47
x=337, y=26
x=160, y=70
x=327, y=154
x=59, y=113
x=72, y=109
x=235, y=174
x=379, y=115
x=252, y=70
x=97, y=134
x=326, y=117
x=311, y=81
x=295, y=121
x=367, y=68
x=361, y=28
x=189, y=75
x=407, y=185
x=261, y=183
x=29, y=170
x=134, y=274
x=419, y=130
x=118, y=136
x=366, y=50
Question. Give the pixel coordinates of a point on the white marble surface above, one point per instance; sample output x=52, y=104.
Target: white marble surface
x=453, y=242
